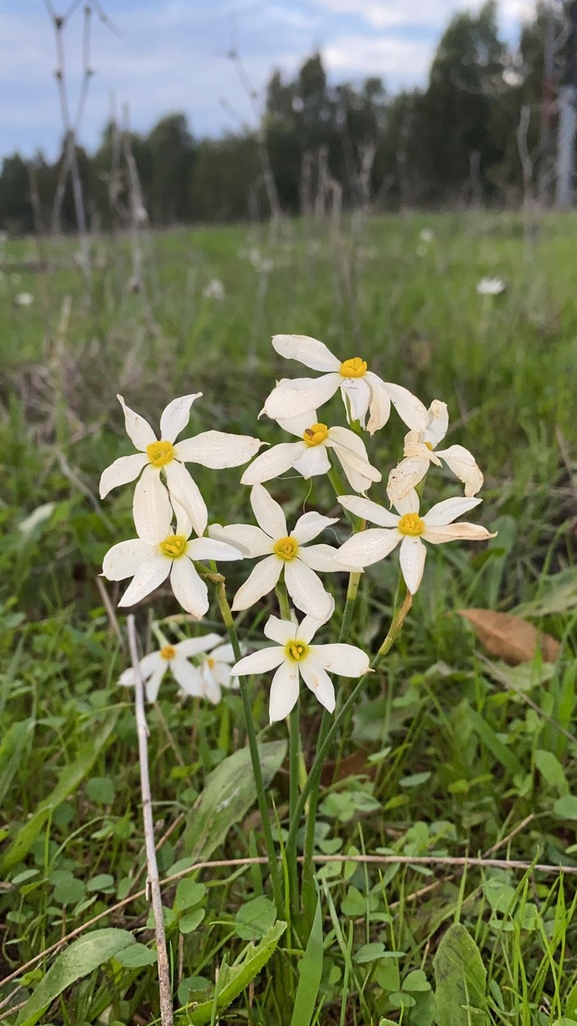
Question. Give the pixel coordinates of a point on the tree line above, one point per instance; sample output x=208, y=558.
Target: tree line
x=481, y=131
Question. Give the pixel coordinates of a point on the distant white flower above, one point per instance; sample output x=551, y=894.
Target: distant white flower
x=406, y=529
x=426, y=235
x=260, y=263
x=216, y=672
x=214, y=289
x=490, y=286
x=24, y=299
x=286, y=552
x=150, y=561
x=293, y=656
x=310, y=456
x=151, y=505
x=419, y=454
x=174, y=658
x=362, y=391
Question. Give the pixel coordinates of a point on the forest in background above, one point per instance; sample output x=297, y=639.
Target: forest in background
x=481, y=132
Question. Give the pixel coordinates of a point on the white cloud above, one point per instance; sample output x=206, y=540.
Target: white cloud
x=422, y=14
x=382, y=56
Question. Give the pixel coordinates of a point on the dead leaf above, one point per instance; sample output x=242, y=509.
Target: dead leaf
x=509, y=637
x=353, y=765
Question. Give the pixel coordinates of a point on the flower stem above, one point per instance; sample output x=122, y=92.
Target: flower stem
x=294, y=756
x=228, y=621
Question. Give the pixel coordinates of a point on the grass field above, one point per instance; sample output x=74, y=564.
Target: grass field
x=453, y=750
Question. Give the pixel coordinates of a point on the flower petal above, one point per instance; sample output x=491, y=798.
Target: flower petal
x=223, y=654
x=280, y=630
x=218, y=449
x=211, y=548
x=313, y=461
x=320, y=557
x=351, y=452
x=308, y=351
x=380, y=403
x=259, y=662
x=412, y=556
x=122, y=471
x=406, y=476
x=310, y=524
x=261, y=580
x=211, y=686
x=318, y=681
x=295, y=396
x=438, y=424
x=284, y=691
x=149, y=576
x=298, y=425
x=148, y=664
x=176, y=416
x=453, y=532
x=306, y=589
x=152, y=686
x=356, y=397
x=368, y=510
x=250, y=540
x=186, y=492
x=464, y=466
x=151, y=507
x=124, y=559
x=137, y=428
x=410, y=409
x=273, y=462
x=309, y=626
x=448, y=510
x=409, y=503
x=188, y=677
x=367, y=547
x=189, y=589
x=192, y=646
x=345, y=660
x=269, y=514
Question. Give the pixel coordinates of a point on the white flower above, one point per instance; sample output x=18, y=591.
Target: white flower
x=362, y=391
x=436, y=527
x=310, y=456
x=286, y=552
x=426, y=235
x=214, y=289
x=150, y=561
x=174, y=658
x=419, y=452
x=151, y=505
x=490, y=286
x=216, y=672
x=24, y=299
x=295, y=656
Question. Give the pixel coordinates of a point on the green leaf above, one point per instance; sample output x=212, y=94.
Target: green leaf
x=566, y=807
x=81, y=958
x=551, y=770
x=135, y=956
x=228, y=795
x=255, y=918
x=191, y=920
x=460, y=980
x=490, y=740
x=100, y=790
x=70, y=779
x=188, y=894
x=416, y=981
x=310, y=973
x=13, y=752
x=370, y=952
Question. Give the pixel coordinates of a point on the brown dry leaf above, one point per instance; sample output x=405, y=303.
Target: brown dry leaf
x=353, y=765
x=509, y=637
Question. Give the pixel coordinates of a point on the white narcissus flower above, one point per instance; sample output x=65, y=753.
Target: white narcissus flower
x=24, y=299
x=149, y=562
x=362, y=391
x=293, y=656
x=420, y=451
x=407, y=529
x=174, y=658
x=151, y=505
x=214, y=289
x=286, y=552
x=490, y=286
x=310, y=456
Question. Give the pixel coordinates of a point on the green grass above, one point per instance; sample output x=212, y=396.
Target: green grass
x=450, y=741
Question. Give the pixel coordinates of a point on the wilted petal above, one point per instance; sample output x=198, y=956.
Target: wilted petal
x=410, y=409
x=218, y=449
x=405, y=477
x=280, y=630
x=448, y=510
x=368, y=510
x=122, y=471
x=345, y=660
x=259, y=662
x=356, y=397
x=379, y=405
x=456, y=532
x=192, y=646
x=284, y=691
x=464, y=466
x=297, y=396
x=148, y=578
x=262, y=580
x=211, y=548
x=269, y=514
x=367, y=547
x=412, y=557
x=273, y=462
x=188, y=677
x=438, y=424
x=313, y=462
x=124, y=559
x=189, y=589
x=176, y=416
x=151, y=507
x=306, y=589
x=250, y=540
x=306, y=350
x=152, y=686
x=187, y=493
x=318, y=681
x=310, y=524
x=137, y=428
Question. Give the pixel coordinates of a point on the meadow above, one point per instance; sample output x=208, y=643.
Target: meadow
x=462, y=745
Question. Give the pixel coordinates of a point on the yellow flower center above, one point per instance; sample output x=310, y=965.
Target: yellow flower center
x=160, y=453
x=296, y=651
x=430, y=446
x=168, y=652
x=411, y=524
x=286, y=548
x=174, y=546
x=316, y=433
x=210, y=662
x=354, y=368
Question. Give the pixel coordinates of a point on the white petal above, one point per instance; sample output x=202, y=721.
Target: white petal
x=454, y=532
x=409, y=503
x=352, y=454
x=310, y=524
x=320, y=557
x=412, y=556
x=189, y=589
x=148, y=578
x=151, y=662
x=308, y=627
x=192, y=646
x=124, y=559
x=280, y=630
x=259, y=662
x=188, y=677
x=298, y=425
x=306, y=350
x=438, y=424
x=273, y=462
x=284, y=691
x=250, y=540
x=306, y=589
x=223, y=654
x=358, y=397
x=152, y=686
x=405, y=477
x=176, y=416
x=262, y=580
x=122, y=471
x=187, y=493
x=368, y=510
x=380, y=403
x=211, y=686
x=313, y=461
x=151, y=507
x=211, y=548
x=345, y=660
x=137, y=428
x=269, y=514
x=410, y=409
x=295, y=396
x=464, y=466
x=318, y=681
x=183, y=521
x=218, y=449
x=127, y=678
x=367, y=547
x=448, y=510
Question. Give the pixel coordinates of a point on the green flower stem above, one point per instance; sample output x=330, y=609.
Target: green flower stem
x=294, y=757
x=253, y=746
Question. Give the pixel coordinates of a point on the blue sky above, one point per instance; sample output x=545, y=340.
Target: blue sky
x=171, y=55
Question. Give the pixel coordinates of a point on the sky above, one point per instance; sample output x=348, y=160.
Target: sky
x=171, y=55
